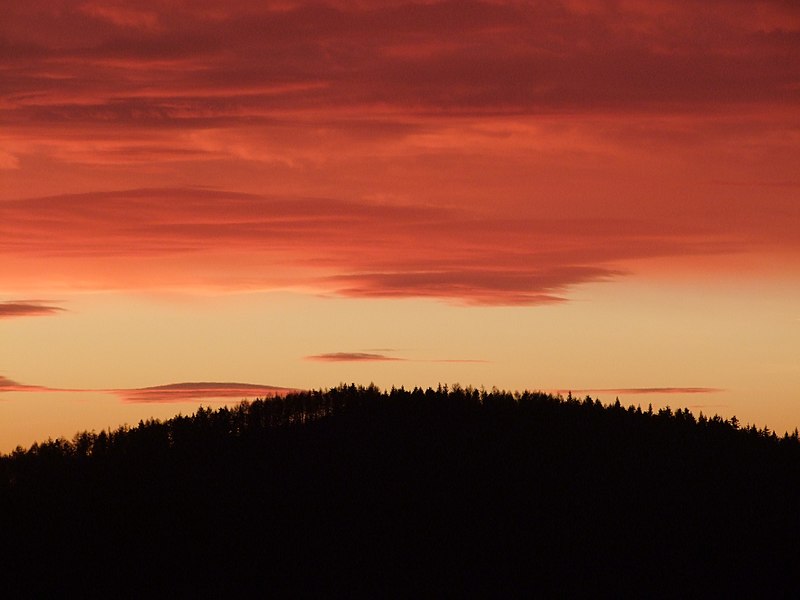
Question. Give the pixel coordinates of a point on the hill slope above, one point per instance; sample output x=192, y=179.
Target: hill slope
x=358, y=492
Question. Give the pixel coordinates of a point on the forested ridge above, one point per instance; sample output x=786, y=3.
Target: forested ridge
x=355, y=491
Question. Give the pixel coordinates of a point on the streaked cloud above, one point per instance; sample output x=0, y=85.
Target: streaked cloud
x=352, y=357
x=190, y=392
x=121, y=16
x=457, y=361
x=174, y=392
x=7, y=385
x=202, y=239
x=375, y=356
x=469, y=56
x=8, y=161
x=645, y=390
x=27, y=308
x=706, y=406
x=479, y=152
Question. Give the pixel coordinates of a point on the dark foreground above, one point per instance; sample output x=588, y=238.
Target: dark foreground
x=354, y=493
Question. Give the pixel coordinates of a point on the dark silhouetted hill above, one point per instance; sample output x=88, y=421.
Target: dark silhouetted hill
x=354, y=492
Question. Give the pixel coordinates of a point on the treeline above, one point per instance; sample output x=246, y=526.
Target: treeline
x=249, y=419
x=356, y=491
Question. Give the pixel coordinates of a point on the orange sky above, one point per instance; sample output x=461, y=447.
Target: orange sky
x=274, y=191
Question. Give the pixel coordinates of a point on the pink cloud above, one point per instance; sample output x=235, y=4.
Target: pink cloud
x=27, y=308
x=7, y=385
x=466, y=361
x=199, y=238
x=478, y=152
x=378, y=356
x=352, y=357
x=121, y=16
x=494, y=285
x=191, y=392
x=111, y=83
x=175, y=392
x=433, y=56
x=646, y=390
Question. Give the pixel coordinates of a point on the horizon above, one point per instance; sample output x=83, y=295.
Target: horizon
x=204, y=202
x=227, y=392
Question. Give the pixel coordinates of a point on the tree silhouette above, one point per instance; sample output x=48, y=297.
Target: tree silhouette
x=354, y=491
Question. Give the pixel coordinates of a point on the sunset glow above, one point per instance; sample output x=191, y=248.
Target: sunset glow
x=597, y=197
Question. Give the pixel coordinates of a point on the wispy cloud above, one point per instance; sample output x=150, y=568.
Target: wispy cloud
x=27, y=308
x=433, y=56
x=644, y=390
x=199, y=238
x=458, y=113
x=352, y=357
x=120, y=16
x=7, y=385
x=193, y=391
x=174, y=392
x=467, y=361
x=374, y=356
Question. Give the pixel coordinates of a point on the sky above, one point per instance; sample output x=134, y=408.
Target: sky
x=206, y=201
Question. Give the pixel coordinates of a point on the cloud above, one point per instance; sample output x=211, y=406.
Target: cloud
x=479, y=152
x=380, y=356
x=7, y=385
x=185, y=392
x=466, y=361
x=191, y=392
x=192, y=238
x=107, y=83
x=27, y=308
x=428, y=57
x=352, y=357
x=8, y=161
x=645, y=390
x=474, y=286
x=121, y=16
x=175, y=392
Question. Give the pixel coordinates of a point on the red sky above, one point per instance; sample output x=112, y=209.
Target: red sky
x=480, y=154
x=523, y=147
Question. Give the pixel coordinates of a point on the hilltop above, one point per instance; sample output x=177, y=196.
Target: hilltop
x=356, y=491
